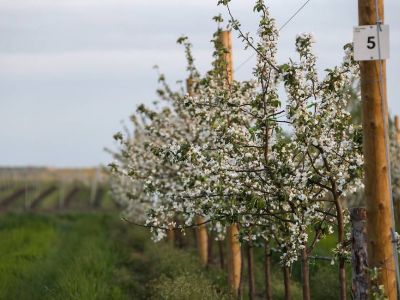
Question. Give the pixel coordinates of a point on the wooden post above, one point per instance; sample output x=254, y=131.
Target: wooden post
x=202, y=240
x=359, y=262
x=189, y=86
x=234, y=258
x=225, y=38
x=234, y=251
x=377, y=193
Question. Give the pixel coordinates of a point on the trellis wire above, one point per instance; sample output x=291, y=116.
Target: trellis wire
x=280, y=28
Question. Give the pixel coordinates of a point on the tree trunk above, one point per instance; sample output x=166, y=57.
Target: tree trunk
x=267, y=270
x=250, y=270
x=305, y=274
x=359, y=262
x=286, y=280
x=202, y=240
x=342, y=269
x=235, y=258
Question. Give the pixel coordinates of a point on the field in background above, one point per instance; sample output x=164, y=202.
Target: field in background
x=49, y=189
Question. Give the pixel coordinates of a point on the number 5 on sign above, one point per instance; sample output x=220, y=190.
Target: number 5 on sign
x=367, y=41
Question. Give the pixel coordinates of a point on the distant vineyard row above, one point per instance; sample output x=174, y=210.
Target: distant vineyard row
x=44, y=189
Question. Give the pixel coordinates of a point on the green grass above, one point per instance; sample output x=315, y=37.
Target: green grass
x=96, y=256
x=62, y=257
x=23, y=246
x=159, y=271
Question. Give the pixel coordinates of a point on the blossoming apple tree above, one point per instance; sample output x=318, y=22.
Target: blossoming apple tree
x=222, y=153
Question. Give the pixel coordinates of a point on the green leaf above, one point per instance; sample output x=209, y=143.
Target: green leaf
x=284, y=67
x=118, y=136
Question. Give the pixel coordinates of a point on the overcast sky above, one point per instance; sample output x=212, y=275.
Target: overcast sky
x=71, y=70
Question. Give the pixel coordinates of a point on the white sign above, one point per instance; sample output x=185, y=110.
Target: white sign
x=367, y=40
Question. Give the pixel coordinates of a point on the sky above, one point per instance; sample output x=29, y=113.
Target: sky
x=71, y=71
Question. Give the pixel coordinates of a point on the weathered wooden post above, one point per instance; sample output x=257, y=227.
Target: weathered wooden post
x=202, y=240
x=377, y=187
x=234, y=251
x=234, y=258
x=359, y=254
